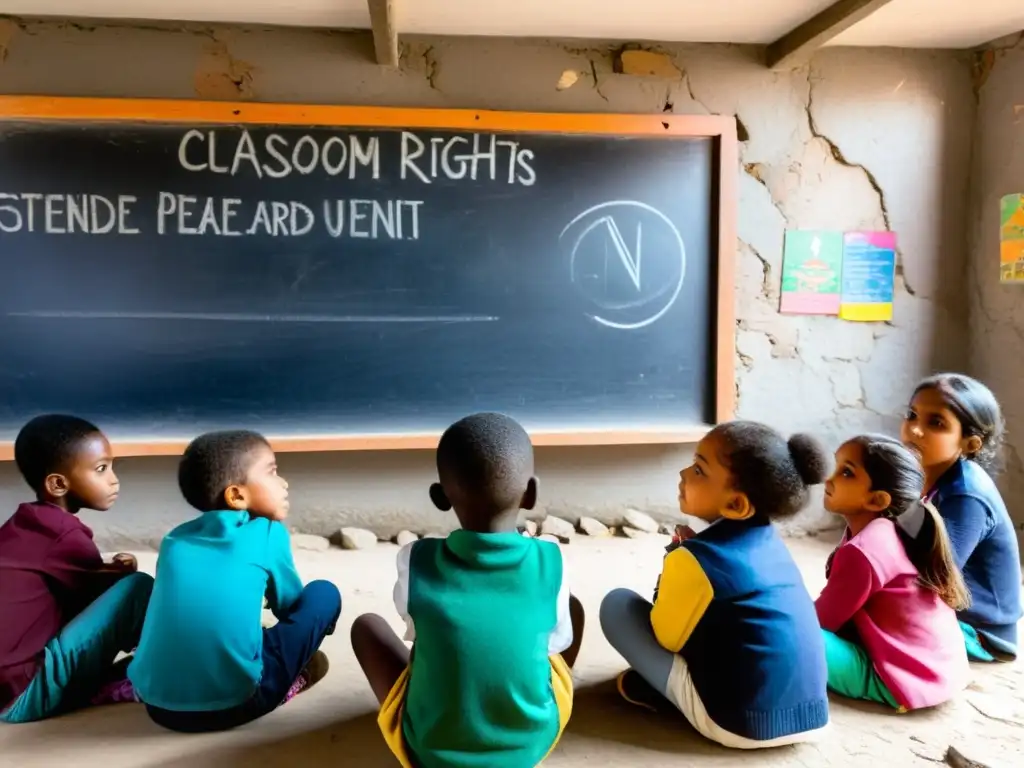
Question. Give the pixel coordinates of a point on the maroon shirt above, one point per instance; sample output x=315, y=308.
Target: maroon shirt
x=48, y=573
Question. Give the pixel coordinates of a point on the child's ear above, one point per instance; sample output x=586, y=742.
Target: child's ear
x=529, y=500
x=879, y=501
x=971, y=445
x=738, y=507
x=237, y=497
x=440, y=498
x=56, y=486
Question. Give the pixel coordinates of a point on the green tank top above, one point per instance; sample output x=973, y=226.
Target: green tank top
x=484, y=608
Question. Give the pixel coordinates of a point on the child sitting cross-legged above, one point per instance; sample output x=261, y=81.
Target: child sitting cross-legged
x=888, y=609
x=204, y=662
x=65, y=615
x=731, y=640
x=494, y=628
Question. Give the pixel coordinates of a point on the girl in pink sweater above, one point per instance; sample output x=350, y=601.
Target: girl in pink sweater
x=888, y=612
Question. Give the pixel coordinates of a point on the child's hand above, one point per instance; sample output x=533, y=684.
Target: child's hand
x=683, y=532
x=828, y=563
x=125, y=563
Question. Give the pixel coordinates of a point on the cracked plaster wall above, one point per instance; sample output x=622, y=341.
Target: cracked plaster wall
x=997, y=311
x=861, y=139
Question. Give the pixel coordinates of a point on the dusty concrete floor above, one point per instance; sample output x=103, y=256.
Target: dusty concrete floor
x=334, y=723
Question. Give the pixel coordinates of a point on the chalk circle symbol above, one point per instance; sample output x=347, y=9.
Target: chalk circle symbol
x=629, y=276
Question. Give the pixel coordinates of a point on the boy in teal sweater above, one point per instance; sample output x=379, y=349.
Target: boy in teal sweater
x=495, y=631
x=204, y=662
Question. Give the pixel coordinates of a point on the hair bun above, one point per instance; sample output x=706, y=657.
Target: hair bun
x=810, y=458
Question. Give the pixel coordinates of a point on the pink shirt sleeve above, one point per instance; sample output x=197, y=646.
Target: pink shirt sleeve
x=852, y=581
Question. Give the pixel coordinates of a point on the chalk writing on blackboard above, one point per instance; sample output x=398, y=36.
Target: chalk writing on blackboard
x=607, y=247
x=476, y=157
x=367, y=277
x=276, y=157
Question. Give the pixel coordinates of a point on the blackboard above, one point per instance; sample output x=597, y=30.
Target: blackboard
x=359, y=278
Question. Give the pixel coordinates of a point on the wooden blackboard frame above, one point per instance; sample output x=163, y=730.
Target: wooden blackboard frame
x=720, y=128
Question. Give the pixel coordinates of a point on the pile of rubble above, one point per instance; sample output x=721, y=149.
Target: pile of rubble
x=633, y=524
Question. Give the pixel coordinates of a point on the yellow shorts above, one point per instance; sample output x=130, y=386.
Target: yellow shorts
x=390, y=717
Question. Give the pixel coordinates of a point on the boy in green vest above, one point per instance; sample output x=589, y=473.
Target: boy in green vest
x=495, y=631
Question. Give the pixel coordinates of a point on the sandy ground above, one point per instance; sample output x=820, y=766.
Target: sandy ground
x=334, y=723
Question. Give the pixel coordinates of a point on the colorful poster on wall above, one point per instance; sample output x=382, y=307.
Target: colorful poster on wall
x=1011, y=239
x=811, y=267
x=869, y=275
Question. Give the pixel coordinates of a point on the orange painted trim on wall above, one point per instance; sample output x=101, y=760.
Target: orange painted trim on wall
x=405, y=442
x=232, y=113
x=720, y=128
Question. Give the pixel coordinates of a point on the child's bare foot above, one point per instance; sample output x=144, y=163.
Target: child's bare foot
x=315, y=671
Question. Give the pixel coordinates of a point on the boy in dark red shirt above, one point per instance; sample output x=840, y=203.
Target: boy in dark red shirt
x=66, y=613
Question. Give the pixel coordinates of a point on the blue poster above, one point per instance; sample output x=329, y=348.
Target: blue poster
x=869, y=275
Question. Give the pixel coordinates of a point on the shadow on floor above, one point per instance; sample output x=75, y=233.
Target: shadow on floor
x=349, y=742
x=599, y=715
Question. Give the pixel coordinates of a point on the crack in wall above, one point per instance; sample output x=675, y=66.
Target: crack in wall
x=8, y=29
x=689, y=90
x=742, y=134
x=431, y=67
x=597, y=81
x=219, y=75
x=985, y=61
x=766, y=269
x=837, y=155
x=28, y=26
x=779, y=350
x=419, y=59
x=757, y=171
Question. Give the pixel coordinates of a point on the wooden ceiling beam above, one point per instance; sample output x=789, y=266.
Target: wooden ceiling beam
x=795, y=47
x=385, y=33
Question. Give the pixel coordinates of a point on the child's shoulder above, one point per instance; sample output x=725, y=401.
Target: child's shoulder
x=731, y=539
x=880, y=543
x=881, y=530
x=228, y=526
x=968, y=481
x=466, y=549
x=966, y=478
x=46, y=520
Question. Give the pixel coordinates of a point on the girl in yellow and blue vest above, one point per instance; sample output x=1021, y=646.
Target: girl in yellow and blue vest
x=732, y=638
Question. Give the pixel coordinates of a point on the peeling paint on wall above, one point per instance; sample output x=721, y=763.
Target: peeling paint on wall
x=567, y=79
x=646, y=64
x=997, y=312
x=220, y=76
x=420, y=59
x=8, y=29
x=863, y=139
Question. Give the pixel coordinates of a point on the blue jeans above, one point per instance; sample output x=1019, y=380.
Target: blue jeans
x=287, y=648
x=80, y=659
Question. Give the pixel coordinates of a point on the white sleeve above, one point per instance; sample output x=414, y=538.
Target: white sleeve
x=401, y=593
x=561, y=638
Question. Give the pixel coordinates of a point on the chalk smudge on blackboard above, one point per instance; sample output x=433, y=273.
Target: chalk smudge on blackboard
x=234, y=317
